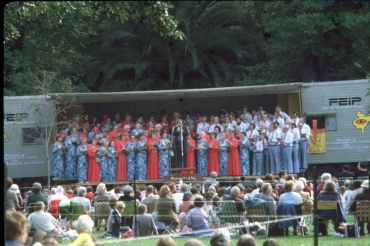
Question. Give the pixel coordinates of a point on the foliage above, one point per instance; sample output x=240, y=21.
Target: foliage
x=220, y=40
x=313, y=40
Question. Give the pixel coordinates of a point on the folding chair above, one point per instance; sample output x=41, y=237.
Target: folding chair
x=129, y=211
x=102, y=212
x=363, y=213
x=168, y=228
x=228, y=214
x=342, y=179
x=286, y=217
x=258, y=214
x=325, y=206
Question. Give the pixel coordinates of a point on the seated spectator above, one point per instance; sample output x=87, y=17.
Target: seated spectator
x=246, y=240
x=270, y=242
x=11, y=199
x=41, y=220
x=362, y=172
x=346, y=173
x=177, y=197
x=197, y=219
x=150, y=198
x=36, y=196
x=166, y=207
x=143, y=223
x=52, y=193
x=290, y=197
x=127, y=191
x=70, y=194
x=193, y=242
x=195, y=193
x=220, y=237
x=101, y=195
x=208, y=201
x=211, y=181
x=15, y=228
x=267, y=195
x=114, y=220
x=289, y=177
x=235, y=191
x=90, y=193
x=58, y=195
x=50, y=242
x=84, y=226
x=166, y=241
x=349, y=187
x=81, y=194
x=356, y=190
x=259, y=183
x=187, y=201
x=298, y=187
x=160, y=225
x=39, y=236
x=330, y=194
x=118, y=191
x=306, y=188
x=221, y=193
x=364, y=196
x=323, y=178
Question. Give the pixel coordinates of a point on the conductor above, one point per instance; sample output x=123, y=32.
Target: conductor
x=180, y=133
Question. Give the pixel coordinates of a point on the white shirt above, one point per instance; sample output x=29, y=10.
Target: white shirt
x=288, y=138
x=257, y=146
x=267, y=123
x=229, y=126
x=273, y=137
x=41, y=220
x=255, y=192
x=296, y=136
x=248, y=115
x=308, y=130
x=251, y=133
x=244, y=126
x=284, y=115
x=280, y=121
x=212, y=127
x=295, y=121
x=233, y=122
x=303, y=131
x=201, y=125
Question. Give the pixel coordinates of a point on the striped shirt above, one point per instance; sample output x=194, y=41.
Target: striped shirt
x=197, y=217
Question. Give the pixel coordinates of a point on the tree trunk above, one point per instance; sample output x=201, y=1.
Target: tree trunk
x=309, y=69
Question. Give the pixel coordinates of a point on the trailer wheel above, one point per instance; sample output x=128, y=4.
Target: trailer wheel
x=328, y=169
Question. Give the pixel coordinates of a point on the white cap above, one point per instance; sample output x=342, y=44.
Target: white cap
x=365, y=184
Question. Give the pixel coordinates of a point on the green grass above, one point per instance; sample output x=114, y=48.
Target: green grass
x=290, y=240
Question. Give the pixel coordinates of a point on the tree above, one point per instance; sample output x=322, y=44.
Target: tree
x=312, y=40
x=220, y=39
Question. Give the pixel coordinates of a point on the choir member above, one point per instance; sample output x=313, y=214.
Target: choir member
x=94, y=169
x=131, y=157
x=112, y=161
x=153, y=168
x=191, y=156
x=213, y=162
x=223, y=154
x=164, y=154
x=121, y=160
x=82, y=164
x=58, y=158
x=70, y=153
x=202, y=147
x=234, y=161
x=103, y=155
x=244, y=154
x=141, y=164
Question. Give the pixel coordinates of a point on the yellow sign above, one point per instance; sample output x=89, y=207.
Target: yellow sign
x=4, y=136
x=361, y=122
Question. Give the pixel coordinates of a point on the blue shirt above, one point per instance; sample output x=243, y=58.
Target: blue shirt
x=290, y=198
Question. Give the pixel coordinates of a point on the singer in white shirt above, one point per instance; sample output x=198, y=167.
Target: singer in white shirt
x=216, y=123
x=295, y=150
x=202, y=124
x=274, y=148
x=257, y=149
x=287, y=146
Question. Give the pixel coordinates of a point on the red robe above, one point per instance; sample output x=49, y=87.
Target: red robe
x=207, y=137
x=172, y=124
x=190, y=159
x=121, y=161
x=126, y=122
x=153, y=167
x=94, y=170
x=112, y=135
x=213, y=163
x=234, y=161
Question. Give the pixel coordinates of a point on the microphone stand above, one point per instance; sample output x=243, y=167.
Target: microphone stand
x=182, y=150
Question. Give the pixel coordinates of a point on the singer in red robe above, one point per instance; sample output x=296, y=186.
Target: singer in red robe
x=121, y=160
x=153, y=167
x=94, y=170
x=234, y=161
x=191, y=157
x=213, y=163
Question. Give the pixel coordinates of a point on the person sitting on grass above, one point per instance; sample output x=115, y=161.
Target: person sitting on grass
x=197, y=219
x=114, y=220
x=143, y=223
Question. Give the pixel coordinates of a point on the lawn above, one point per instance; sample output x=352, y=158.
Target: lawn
x=290, y=240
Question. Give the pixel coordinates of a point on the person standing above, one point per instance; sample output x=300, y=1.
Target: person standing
x=257, y=149
x=112, y=162
x=82, y=164
x=103, y=155
x=295, y=149
x=120, y=145
x=223, y=154
x=94, y=169
x=216, y=123
x=274, y=148
x=141, y=167
x=303, y=146
x=213, y=162
x=153, y=168
x=180, y=133
x=266, y=169
x=164, y=155
x=244, y=154
x=70, y=151
x=287, y=145
x=131, y=157
x=234, y=161
x=191, y=156
x=202, y=147
x=202, y=124
x=58, y=157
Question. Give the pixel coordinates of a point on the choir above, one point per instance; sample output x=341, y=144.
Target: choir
x=231, y=144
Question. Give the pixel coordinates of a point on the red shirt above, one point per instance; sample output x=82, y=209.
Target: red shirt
x=90, y=196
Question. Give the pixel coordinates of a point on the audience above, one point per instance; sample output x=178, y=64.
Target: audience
x=259, y=183
x=235, y=191
x=143, y=223
x=166, y=241
x=193, y=242
x=363, y=196
x=15, y=228
x=81, y=198
x=84, y=226
x=220, y=237
x=246, y=240
x=270, y=242
x=197, y=219
x=11, y=199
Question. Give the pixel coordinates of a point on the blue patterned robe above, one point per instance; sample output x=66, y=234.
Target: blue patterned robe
x=223, y=157
x=130, y=160
x=164, y=158
x=82, y=164
x=141, y=161
x=203, y=158
x=58, y=161
x=112, y=164
x=244, y=158
x=103, y=164
x=71, y=160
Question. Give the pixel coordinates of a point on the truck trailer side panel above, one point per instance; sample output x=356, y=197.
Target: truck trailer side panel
x=338, y=103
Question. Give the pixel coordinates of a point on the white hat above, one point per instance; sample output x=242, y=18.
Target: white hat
x=14, y=188
x=365, y=184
